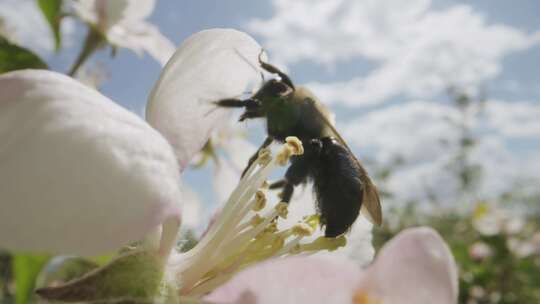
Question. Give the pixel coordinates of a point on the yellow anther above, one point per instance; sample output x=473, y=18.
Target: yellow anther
x=323, y=243
x=265, y=155
x=278, y=243
x=260, y=201
x=265, y=185
x=283, y=156
x=295, y=144
x=312, y=220
x=256, y=220
x=302, y=229
x=340, y=241
x=282, y=209
x=361, y=297
x=271, y=228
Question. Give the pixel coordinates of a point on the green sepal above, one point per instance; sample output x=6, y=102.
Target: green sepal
x=133, y=277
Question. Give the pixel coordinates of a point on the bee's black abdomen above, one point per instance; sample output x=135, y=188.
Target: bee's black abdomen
x=337, y=187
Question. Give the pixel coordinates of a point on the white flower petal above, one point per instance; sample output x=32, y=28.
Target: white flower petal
x=208, y=66
x=142, y=36
x=86, y=10
x=78, y=173
x=137, y=9
x=107, y=13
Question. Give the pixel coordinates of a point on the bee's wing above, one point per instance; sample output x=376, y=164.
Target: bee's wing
x=371, y=202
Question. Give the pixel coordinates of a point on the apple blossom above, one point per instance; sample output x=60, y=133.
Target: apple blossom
x=490, y=219
x=415, y=267
x=123, y=24
x=480, y=251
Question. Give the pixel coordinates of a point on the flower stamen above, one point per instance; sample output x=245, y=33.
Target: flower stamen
x=246, y=231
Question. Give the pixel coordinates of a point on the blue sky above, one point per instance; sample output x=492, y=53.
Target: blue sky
x=179, y=20
x=392, y=59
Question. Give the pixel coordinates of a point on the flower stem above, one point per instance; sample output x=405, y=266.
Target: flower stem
x=93, y=41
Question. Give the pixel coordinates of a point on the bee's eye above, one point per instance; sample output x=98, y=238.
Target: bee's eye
x=278, y=88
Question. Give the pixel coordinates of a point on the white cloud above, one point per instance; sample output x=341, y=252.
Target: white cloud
x=25, y=24
x=419, y=50
x=426, y=137
x=416, y=131
x=515, y=119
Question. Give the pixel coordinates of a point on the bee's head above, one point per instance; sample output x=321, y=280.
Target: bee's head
x=271, y=92
x=273, y=89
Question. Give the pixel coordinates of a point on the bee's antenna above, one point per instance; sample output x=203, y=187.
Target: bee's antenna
x=259, y=58
x=272, y=69
x=247, y=61
x=211, y=111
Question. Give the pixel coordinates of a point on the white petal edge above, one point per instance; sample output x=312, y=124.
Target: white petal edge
x=138, y=9
x=142, y=37
x=414, y=267
x=78, y=173
x=208, y=66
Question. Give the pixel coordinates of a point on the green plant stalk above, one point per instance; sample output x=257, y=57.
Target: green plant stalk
x=94, y=40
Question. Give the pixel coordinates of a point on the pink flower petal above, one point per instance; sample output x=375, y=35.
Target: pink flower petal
x=208, y=66
x=292, y=280
x=78, y=173
x=414, y=267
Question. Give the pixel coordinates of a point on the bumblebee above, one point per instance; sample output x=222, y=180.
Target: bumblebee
x=341, y=185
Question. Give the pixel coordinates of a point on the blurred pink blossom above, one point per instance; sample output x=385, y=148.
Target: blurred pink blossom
x=479, y=251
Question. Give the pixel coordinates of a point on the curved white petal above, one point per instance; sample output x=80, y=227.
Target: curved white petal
x=141, y=37
x=415, y=267
x=208, y=66
x=78, y=173
x=106, y=13
x=137, y=9
x=86, y=10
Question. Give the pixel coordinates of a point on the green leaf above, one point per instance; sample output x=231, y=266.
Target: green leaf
x=51, y=9
x=14, y=57
x=26, y=269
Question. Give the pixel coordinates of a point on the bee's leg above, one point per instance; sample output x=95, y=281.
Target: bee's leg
x=230, y=103
x=254, y=157
x=295, y=175
x=277, y=184
x=287, y=192
x=299, y=170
